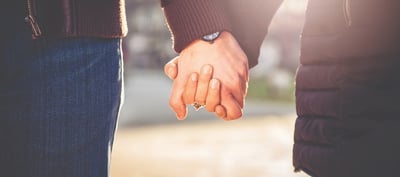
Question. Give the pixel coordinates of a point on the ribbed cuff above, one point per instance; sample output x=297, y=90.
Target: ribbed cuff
x=188, y=20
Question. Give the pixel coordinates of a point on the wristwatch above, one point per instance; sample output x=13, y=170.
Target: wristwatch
x=211, y=37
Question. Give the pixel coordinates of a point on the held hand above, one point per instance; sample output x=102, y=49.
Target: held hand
x=213, y=98
x=230, y=68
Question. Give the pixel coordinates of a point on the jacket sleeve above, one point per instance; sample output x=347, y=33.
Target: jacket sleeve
x=250, y=20
x=247, y=20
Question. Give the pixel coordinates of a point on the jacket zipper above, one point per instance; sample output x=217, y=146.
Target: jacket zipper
x=36, y=32
x=347, y=12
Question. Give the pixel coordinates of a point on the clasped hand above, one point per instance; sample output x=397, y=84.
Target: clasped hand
x=211, y=74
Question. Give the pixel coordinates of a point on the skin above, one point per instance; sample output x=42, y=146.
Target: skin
x=223, y=69
x=213, y=97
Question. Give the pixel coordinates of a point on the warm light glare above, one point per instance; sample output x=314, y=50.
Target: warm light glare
x=294, y=6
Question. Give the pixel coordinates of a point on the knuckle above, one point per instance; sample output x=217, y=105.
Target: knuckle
x=187, y=95
x=200, y=99
x=173, y=103
x=209, y=108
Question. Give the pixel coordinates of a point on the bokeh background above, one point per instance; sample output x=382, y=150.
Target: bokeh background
x=150, y=142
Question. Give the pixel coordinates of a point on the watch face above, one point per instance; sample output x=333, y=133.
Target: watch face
x=211, y=37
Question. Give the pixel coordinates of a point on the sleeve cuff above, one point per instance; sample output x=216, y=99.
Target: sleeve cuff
x=188, y=20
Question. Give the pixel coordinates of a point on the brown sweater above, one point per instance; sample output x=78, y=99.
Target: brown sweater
x=75, y=18
x=188, y=20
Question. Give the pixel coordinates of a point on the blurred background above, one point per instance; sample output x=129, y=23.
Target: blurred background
x=150, y=142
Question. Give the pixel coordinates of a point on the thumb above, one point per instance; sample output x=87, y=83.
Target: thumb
x=171, y=68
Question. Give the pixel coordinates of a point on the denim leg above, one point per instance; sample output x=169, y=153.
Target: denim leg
x=59, y=103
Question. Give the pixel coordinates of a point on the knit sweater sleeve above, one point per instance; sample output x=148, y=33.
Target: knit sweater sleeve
x=247, y=20
x=188, y=20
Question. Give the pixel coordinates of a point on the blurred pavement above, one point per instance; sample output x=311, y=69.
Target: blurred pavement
x=257, y=147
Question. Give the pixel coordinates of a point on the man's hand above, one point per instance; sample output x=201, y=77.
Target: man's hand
x=230, y=68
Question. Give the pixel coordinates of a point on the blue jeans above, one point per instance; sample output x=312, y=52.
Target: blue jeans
x=59, y=103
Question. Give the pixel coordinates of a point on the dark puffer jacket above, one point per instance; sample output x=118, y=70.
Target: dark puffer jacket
x=348, y=89
x=347, y=85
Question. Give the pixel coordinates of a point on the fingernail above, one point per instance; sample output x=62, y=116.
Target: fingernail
x=194, y=77
x=206, y=69
x=214, y=84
